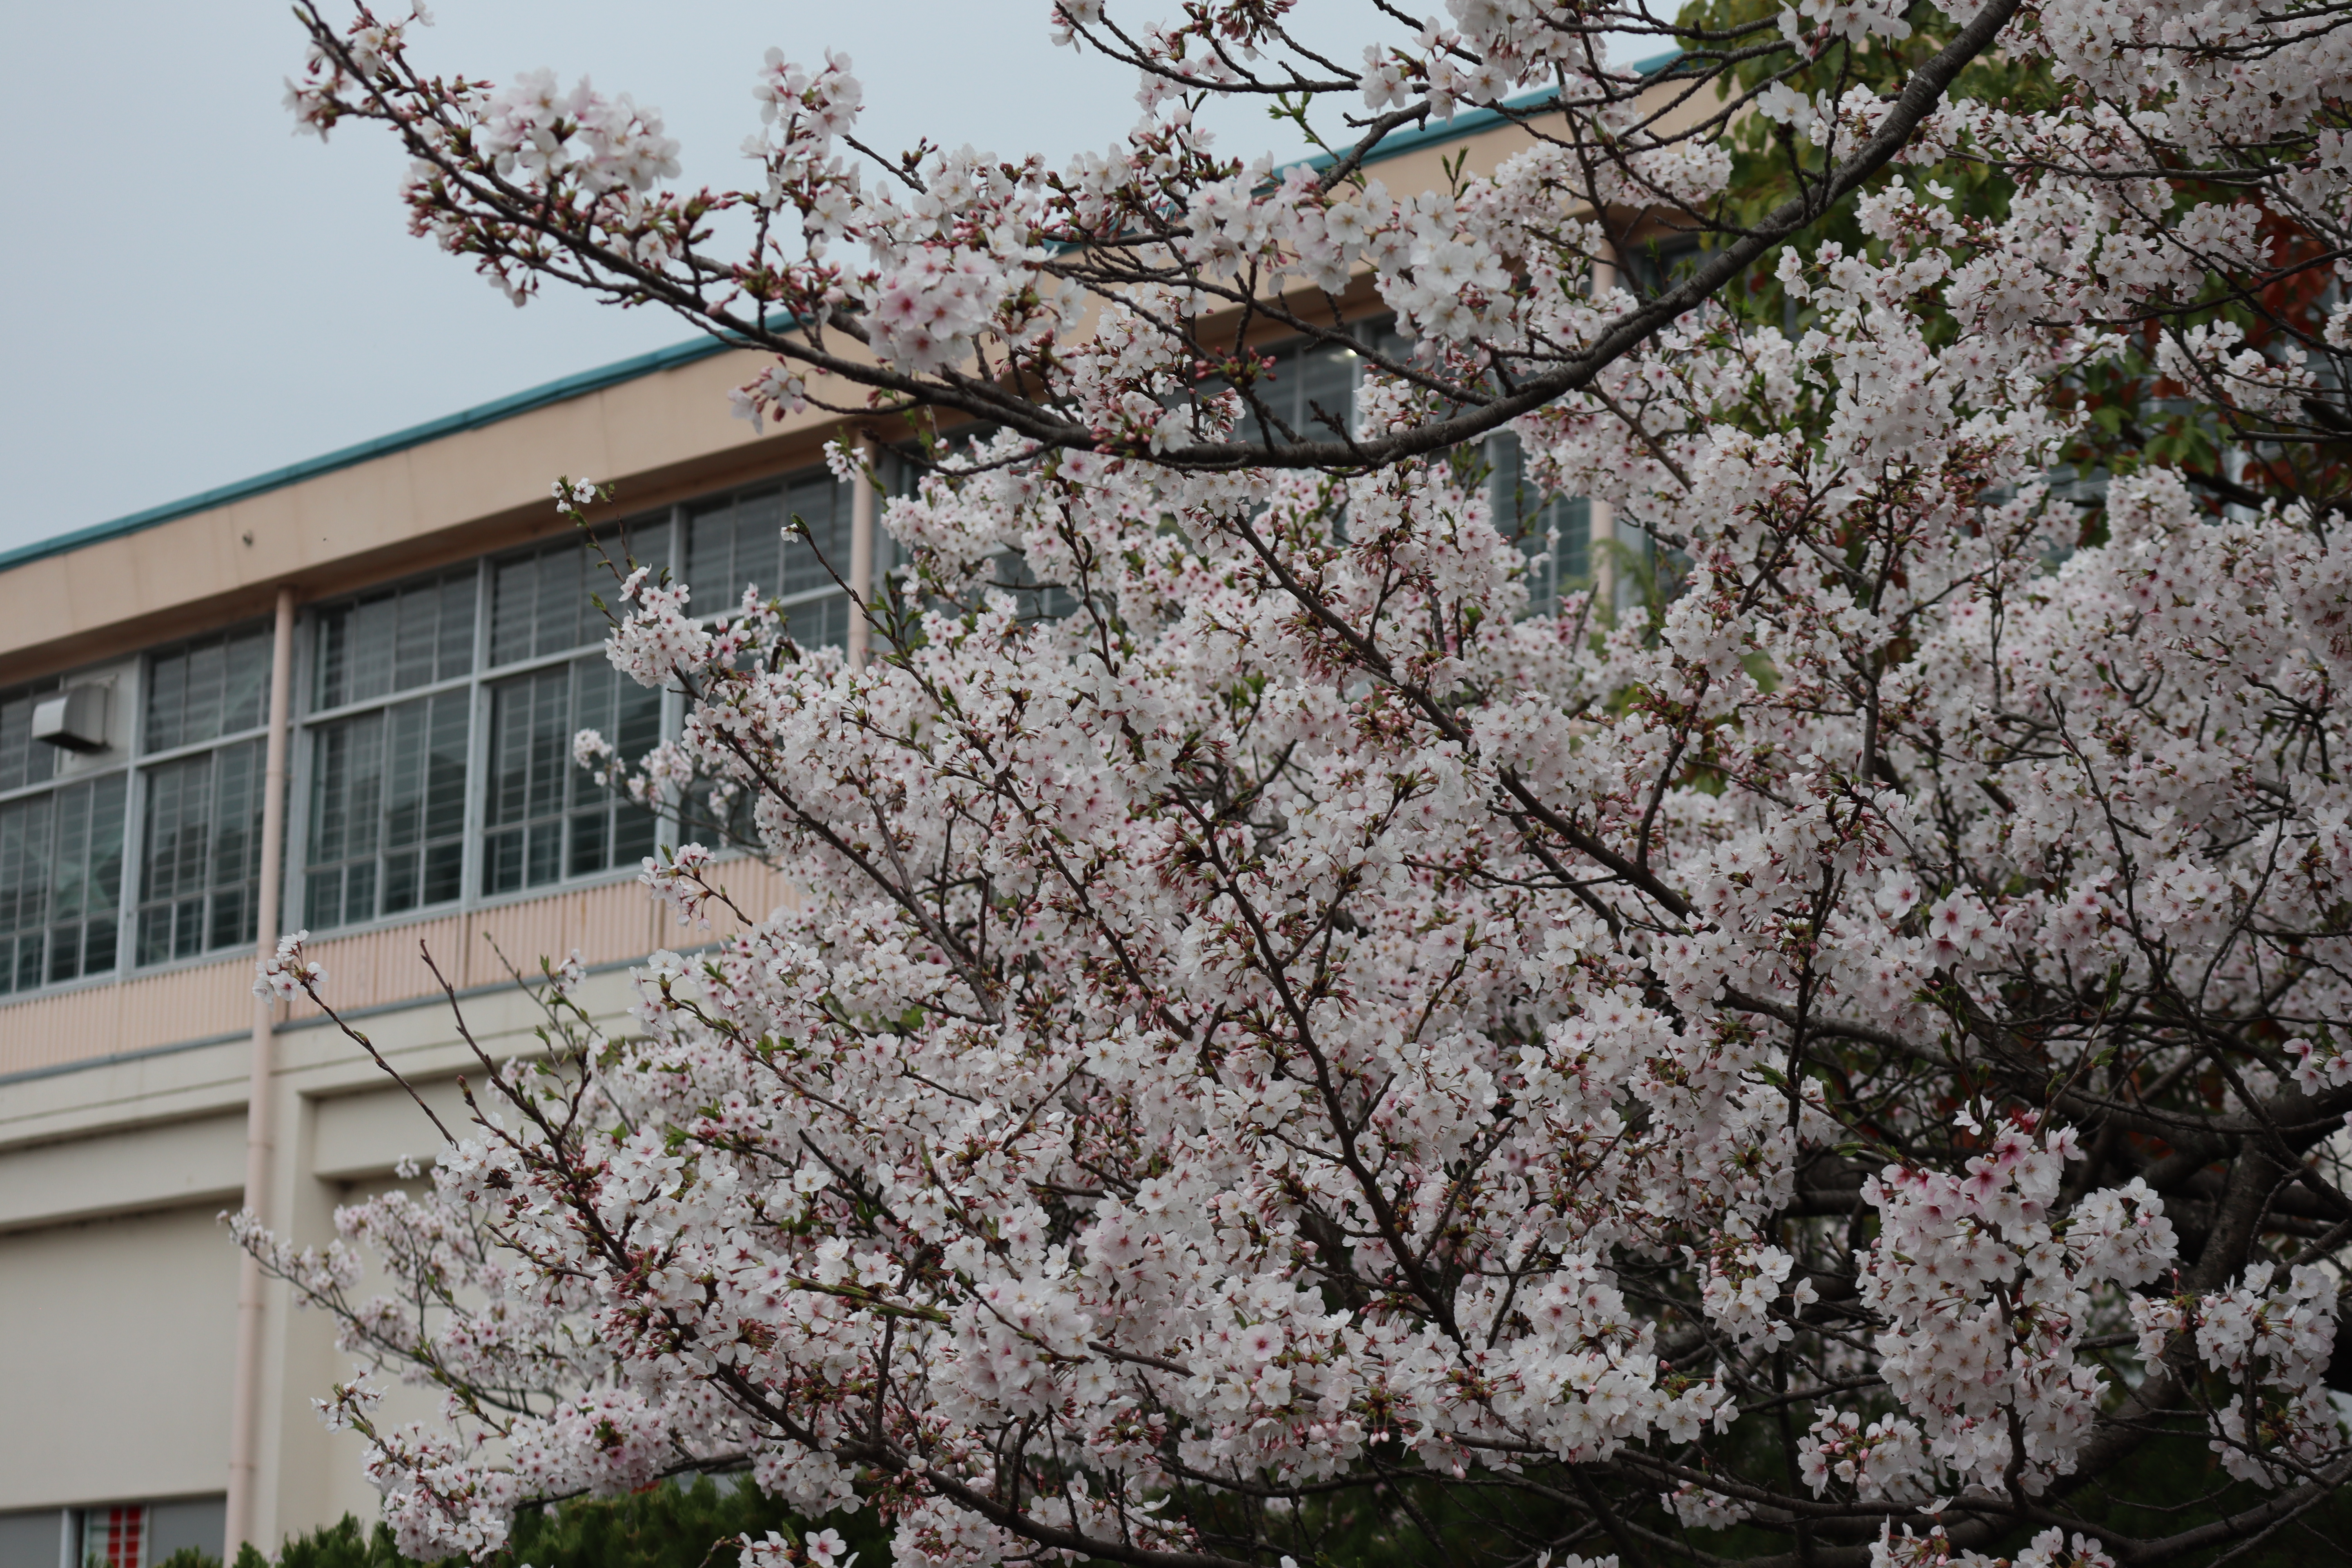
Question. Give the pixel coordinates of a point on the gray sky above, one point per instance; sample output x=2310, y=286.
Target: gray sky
x=194, y=294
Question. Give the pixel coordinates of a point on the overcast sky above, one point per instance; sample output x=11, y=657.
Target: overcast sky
x=195, y=295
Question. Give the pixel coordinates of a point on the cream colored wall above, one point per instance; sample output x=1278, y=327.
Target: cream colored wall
x=116, y=1338
x=457, y=495
x=171, y=1164
x=605, y=923
x=117, y=1333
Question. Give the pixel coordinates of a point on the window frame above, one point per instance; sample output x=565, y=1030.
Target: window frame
x=141, y=764
x=124, y=912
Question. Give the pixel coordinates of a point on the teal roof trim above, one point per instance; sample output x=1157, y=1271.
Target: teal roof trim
x=588, y=380
x=1473, y=121
x=474, y=418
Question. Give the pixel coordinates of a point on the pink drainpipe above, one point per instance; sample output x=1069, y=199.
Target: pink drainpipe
x=260, y=1136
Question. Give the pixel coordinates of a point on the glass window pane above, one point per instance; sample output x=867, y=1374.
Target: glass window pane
x=739, y=544
x=387, y=800
x=646, y=542
x=1554, y=533
x=544, y=603
x=201, y=849
x=820, y=507
x=245, y=698
x=750, y=540
x=25, y=837
x=547, y=818
x=212, y=686
x=1325, y=389
x=207, y=685
x=60, y=881
x=454, y=620
x=22, y=760
x=395, y=640
x=514, y=607
x=167, y=693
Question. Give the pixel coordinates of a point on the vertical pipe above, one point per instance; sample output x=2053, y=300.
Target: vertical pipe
x=861, y=549
x=1601, y=531
x=244, y=1410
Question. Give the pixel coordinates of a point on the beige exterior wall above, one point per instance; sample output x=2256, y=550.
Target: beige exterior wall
x=604, y=923
x=663, y=435
x=114, y=1336
x=118, y=1282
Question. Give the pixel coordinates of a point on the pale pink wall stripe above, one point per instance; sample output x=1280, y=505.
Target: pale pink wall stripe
x=609, y=923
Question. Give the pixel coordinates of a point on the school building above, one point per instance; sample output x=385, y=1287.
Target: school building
x=339, y=698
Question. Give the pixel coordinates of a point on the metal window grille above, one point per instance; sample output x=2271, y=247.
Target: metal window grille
x=22, y=760
x=545, y=601
x=60, y=883
x=204, y=690
x=395, y=640
x=200, y=853
x=739, y=542
x=547, y=819
x=1554, y=533
x=387, y=811
x=114, y=1537
x=433, y=761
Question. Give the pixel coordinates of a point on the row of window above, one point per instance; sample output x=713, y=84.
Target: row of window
x=433, y=720
x=433, y=746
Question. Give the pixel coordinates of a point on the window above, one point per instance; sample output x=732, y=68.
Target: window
x=437, y=761
x=200, y=856
x=114, y=1538
x=384, y=807
x=547, y=818
x=395, y=640
x=1659, y=263
x=212, y=686
x=22, y=761
x=60, y=855
x=739, y=542
x=432, y=749
x=387, y=810
x=200, y=814
x=1554, y=533
x=1310, y=384
x=544, y=603
x=60, y=881
x=30, y=1539
x=544, y=818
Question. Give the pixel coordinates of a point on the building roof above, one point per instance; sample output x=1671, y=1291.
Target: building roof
x=1470, y=123
x=473, y=418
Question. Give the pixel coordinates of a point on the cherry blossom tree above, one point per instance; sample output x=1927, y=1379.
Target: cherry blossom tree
x=1843, y=1062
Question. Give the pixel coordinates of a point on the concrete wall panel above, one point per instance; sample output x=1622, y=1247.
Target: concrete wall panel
x=175, y=1165
x=115, y=1342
